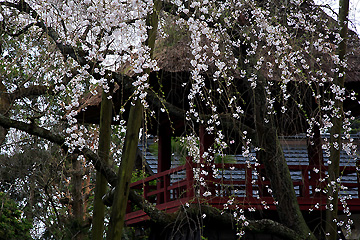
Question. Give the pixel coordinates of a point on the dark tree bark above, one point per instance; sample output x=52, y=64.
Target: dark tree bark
x=78, y=200
x=103, y=152
x=4, y=108
x=272, y=156
x=335, y=133
x=128, y=158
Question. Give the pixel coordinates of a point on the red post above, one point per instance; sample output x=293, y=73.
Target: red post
x=248, y=182
x=206, y=142
x=305, y=187
x=189, y=178
x=164, y=159
x=166, y=185
x=316, y=159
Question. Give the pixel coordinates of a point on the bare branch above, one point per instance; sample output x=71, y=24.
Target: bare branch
x=226, y=219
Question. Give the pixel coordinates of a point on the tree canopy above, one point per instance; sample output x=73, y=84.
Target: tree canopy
x=83, y=81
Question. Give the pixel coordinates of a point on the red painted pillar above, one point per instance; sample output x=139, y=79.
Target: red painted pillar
x=316, y=159
x=189, y=178
x=164, y=159
x=263, y=180
x=206, y=142
x=248, y=182
x=164, y=147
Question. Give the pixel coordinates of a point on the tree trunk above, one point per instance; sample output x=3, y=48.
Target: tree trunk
x=128, y=158
x=335, y=133
x=77, y=203
x=271, y=155
x=103, y=151
x=4, y=108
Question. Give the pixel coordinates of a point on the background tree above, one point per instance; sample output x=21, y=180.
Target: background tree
x=12, y=224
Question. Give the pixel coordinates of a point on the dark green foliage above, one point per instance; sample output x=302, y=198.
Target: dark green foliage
x=12, y=223
x=355, y=126
x=136, y=233
x=179, y=151
x=178, y=148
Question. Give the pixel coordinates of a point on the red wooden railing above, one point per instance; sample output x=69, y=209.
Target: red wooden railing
x=253, y=191
x=168, y=193
x=164, y=190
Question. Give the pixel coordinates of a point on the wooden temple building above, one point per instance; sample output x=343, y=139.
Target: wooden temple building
x=172, y=184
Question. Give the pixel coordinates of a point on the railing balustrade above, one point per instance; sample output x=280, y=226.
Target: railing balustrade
x=245, y=182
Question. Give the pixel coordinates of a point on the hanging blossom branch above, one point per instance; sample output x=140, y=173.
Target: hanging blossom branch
x=79, y=55
x=66, y=50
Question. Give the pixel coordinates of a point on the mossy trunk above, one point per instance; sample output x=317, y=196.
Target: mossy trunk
x=78, y=200
x=335, y=133
x=103, y=152
x=272, y=156
x=128, y=158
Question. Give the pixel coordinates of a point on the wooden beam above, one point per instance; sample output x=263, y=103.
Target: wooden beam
x=164, y=159
x=206, y=142
x=316, y=158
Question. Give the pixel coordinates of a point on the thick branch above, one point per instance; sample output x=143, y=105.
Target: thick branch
x=33, y=129
x=35, y=90
x=226, y=219
x=159, y=217
x=270, y=226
